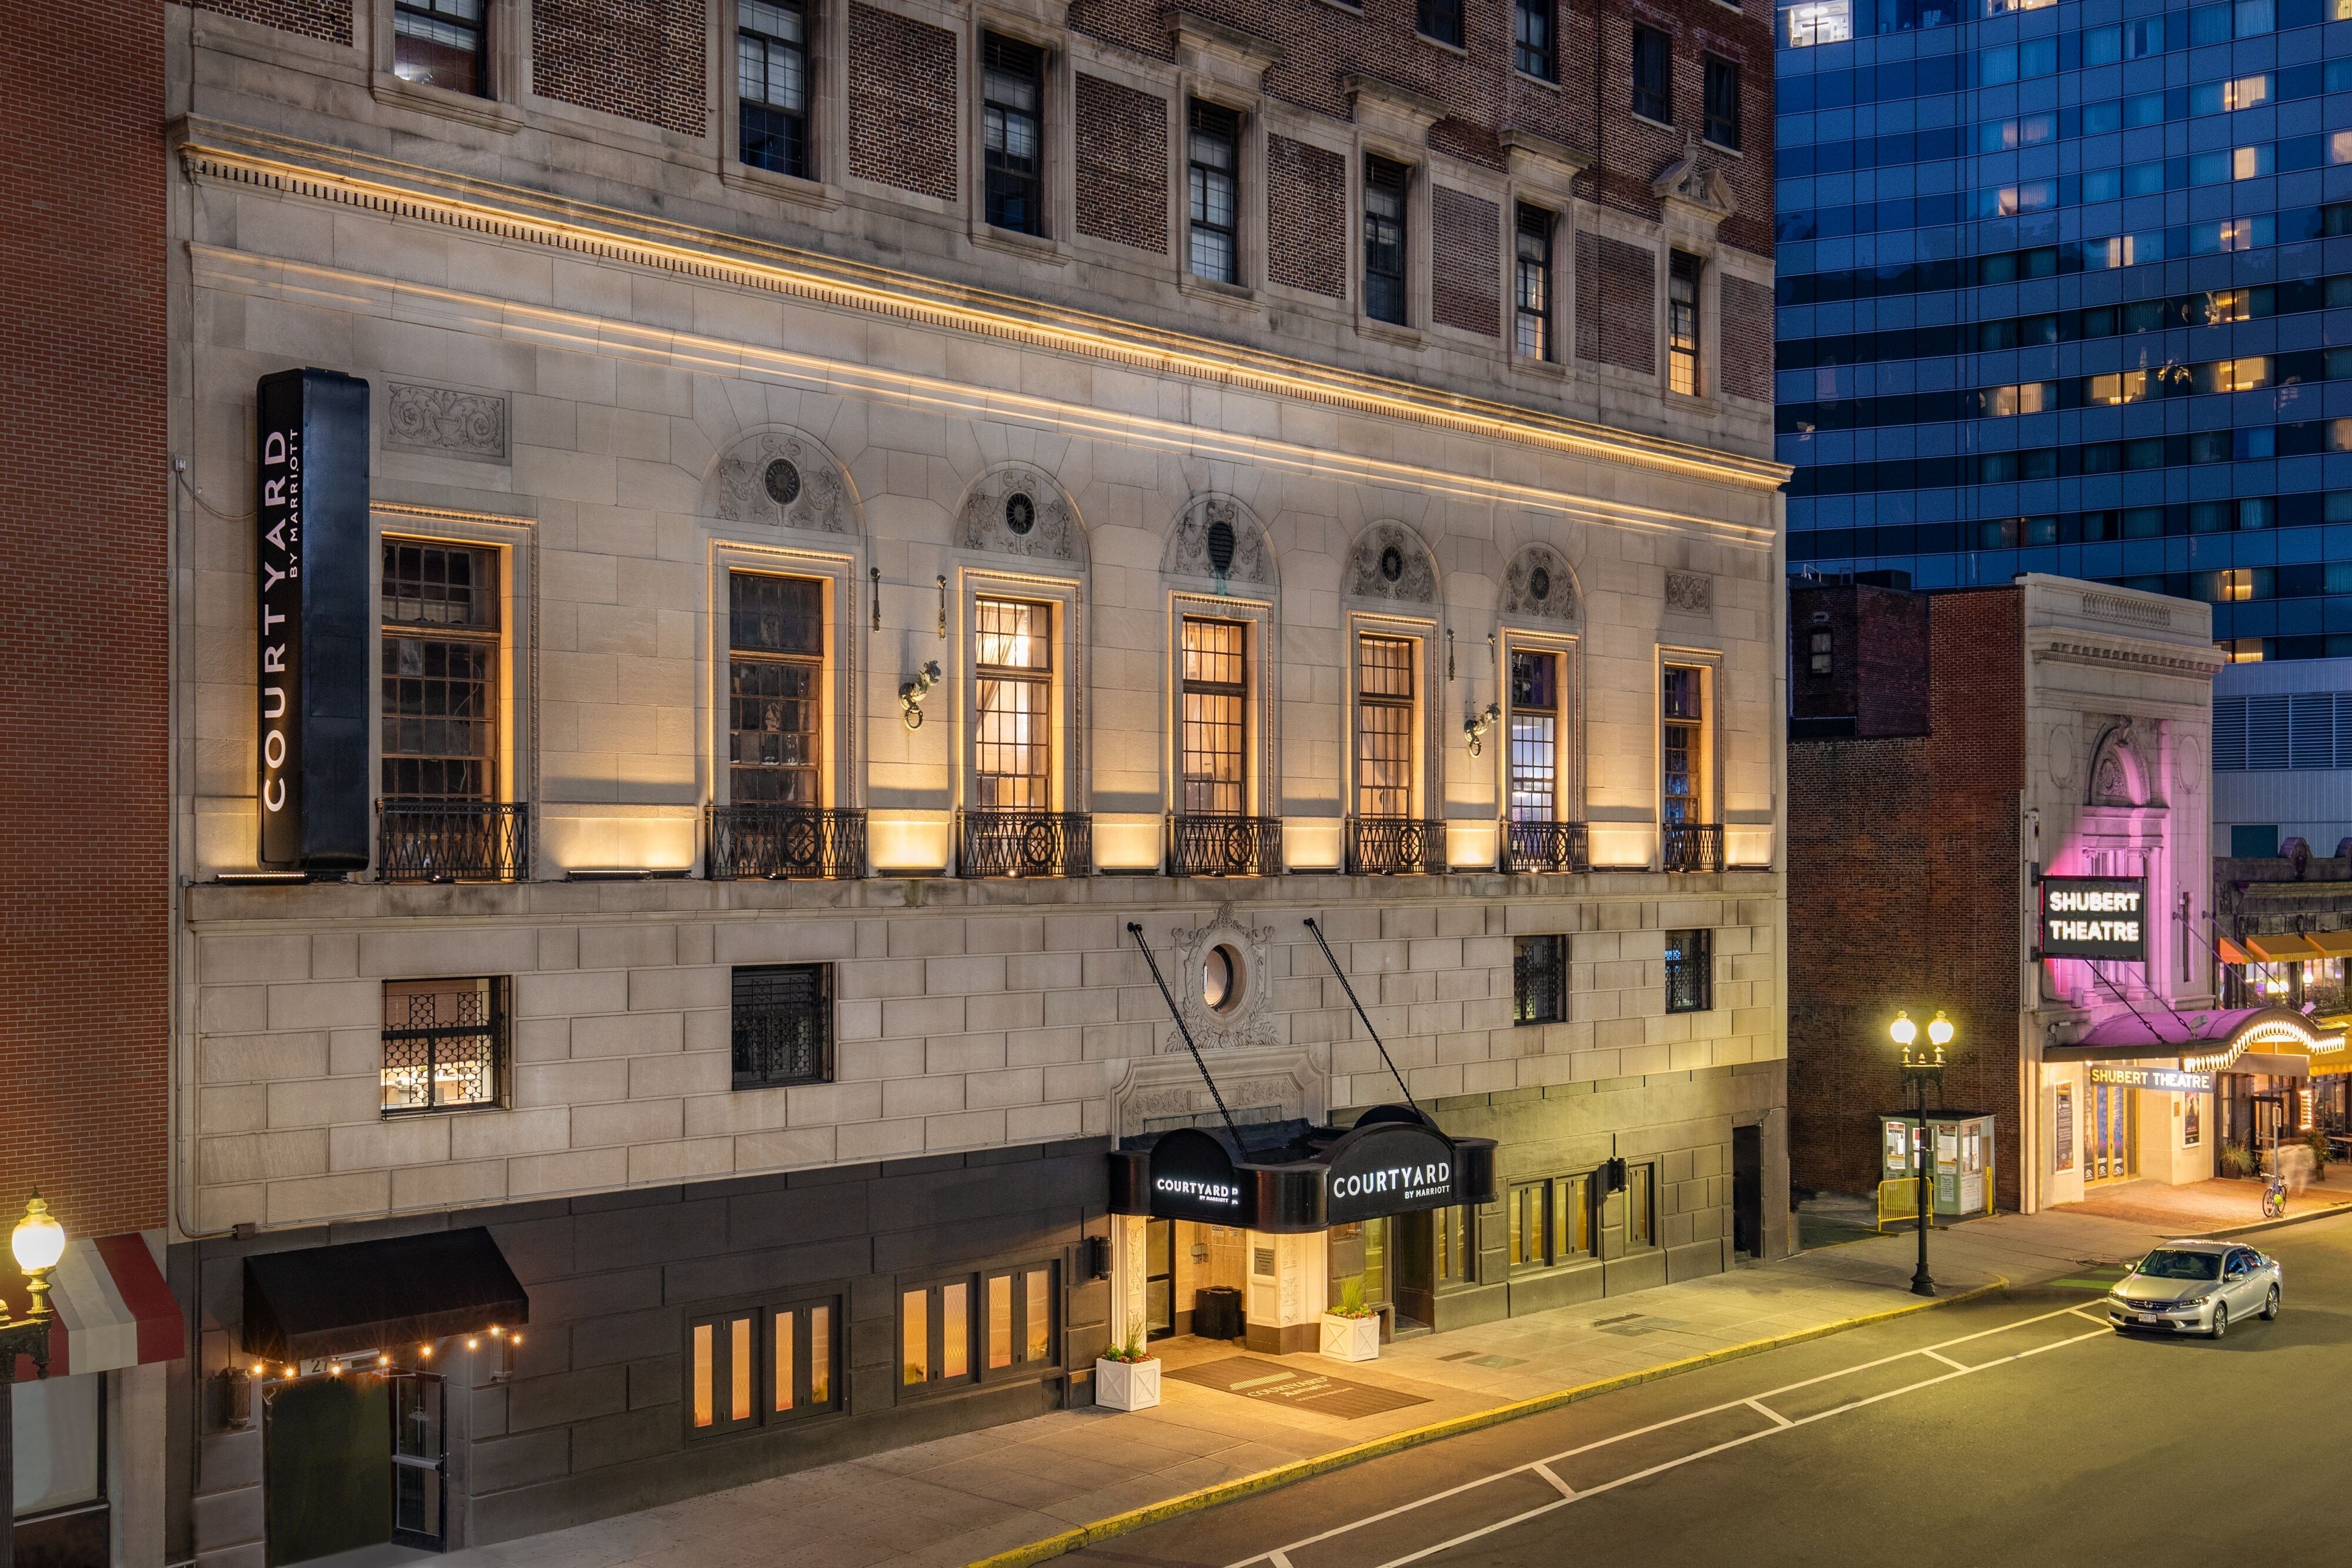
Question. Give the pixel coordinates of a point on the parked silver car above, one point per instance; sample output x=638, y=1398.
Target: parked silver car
x=2195, y=1287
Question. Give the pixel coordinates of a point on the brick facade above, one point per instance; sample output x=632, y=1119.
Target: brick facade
x=1465, y=261
x=1616, y=303
x=326, y=19
x=1747, y=339
x=902, y=102
x=1306, y=216
x=84, y=783
x=1122, y=158
x=640, y=59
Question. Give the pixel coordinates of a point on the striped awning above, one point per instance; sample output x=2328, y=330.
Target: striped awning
x=112, y=1307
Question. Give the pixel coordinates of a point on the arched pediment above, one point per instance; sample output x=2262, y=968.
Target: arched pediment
x=783, y=477
x=1219, y=540
x=1389, y=561
x=1019, y=509
x=2119, y=777
x=1539, y=585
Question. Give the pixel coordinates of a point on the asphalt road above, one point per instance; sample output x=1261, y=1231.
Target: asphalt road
x=2013, y=1430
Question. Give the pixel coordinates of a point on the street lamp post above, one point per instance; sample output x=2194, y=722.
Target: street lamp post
x=1919, y=1071
x=38, y=1242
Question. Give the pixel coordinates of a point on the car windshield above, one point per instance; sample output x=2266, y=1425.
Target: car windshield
x=2172, y=1265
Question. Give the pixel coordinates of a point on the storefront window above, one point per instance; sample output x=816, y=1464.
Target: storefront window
x=1455, y=1263
x=1019, y=1318
x=1360, y=1253
x=60, y=1443
x=1641, y=1206
x=1550, y=1221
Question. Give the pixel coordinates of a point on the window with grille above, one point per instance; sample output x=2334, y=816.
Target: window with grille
x=439, y=648
x=1681, y=798
x=1535, y=37
x=1531, y=290
x=1213, y=165
x=438, y=43
x=1690, y=972
x=1720, y=96
x=1534, y=737
x=1440, y=20
x=445, y=1044
x=763, y=1365
x=771, y=71
x=1653, y=76
x=1215, y=701
x=1013, y=94
x=1538, y=979
x=1384, y=717
x=775, y=670
x=1681, y=323
x=1384, y=244
x=783, y=1025
x=1013, y=659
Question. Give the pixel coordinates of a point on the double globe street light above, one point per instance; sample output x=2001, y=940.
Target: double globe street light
x=1920, y=1070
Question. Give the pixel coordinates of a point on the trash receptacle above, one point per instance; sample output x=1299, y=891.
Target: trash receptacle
x=1217, y=1312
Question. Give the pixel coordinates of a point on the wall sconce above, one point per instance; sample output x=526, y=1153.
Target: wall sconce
x=1477, y=725
x=874, y=580
x=911, y=695
x=943, y=607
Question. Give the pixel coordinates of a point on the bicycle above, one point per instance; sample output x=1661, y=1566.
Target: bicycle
x=2275, y=1197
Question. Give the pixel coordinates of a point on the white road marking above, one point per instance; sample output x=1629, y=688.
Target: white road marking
x=1278, y=1557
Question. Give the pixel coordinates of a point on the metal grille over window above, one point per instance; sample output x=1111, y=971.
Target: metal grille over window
x=438, y=43
x=1384, y=253
x=444, y=1043
x=774, y=681
x=1013, y=751
x=1214, y=164
x=1384, y=741
x=1532, y=287
x=1538, y=979
x=783, y=1025
x=1012, y=93
x=1690, y=972
x=1681, y=323
x=771, y=83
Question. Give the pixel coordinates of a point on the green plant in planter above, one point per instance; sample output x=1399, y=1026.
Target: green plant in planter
x=2237, y=1160
x=2318, y=1142
x=1352, y=1301
x=1132, y=1347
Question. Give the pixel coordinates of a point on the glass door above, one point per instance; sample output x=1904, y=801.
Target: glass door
x=2111, y=1152
x=420, y=1462
x=1160, y=1278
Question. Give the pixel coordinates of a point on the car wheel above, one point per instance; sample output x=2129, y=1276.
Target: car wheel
x=2270, y=1306
x=2220, y=1320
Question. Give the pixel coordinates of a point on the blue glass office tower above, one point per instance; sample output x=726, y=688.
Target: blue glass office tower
x=2068, y=288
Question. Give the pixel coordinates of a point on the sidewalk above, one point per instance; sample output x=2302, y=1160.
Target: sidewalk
x=2216, y=1205
x=959, y=1498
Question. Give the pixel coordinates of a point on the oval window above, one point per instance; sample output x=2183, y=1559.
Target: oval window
x=1220, y=978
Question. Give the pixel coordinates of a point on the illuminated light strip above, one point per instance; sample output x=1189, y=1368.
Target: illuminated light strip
x=450, y=514
x=512, y=213
x=576, y=333
x=2276, y=1032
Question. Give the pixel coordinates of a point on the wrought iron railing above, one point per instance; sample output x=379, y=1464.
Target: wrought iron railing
x=1385, y=846
x=1547, y=847
x=1693, y=846
x=1224, y=846
x=451, y=841
x=785, y=841
x=1025, y=844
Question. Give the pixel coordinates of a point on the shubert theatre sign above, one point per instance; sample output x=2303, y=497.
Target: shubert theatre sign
x=2103, y=918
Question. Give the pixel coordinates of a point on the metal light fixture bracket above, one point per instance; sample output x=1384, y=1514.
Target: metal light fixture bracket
x=1475, y=726
x=913, y=692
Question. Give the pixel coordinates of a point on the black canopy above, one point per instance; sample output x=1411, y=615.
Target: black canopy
x=1296, y=1177
x=368, y=1295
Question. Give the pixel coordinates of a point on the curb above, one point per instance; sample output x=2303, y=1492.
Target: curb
x=2262, y=1225
x=1084, y=1535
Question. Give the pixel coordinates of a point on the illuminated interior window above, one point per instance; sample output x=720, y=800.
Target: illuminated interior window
x=1818, y=22
x=1014, y=750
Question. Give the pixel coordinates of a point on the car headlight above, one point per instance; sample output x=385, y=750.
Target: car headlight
x=2193, y=1302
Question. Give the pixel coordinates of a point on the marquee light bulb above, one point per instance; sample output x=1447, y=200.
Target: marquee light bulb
x=473, y=1344
x=1903, y=1031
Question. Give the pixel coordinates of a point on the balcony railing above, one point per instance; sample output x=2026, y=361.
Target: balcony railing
x=1693, y=846
x=785, y=843
x=453, y=840
x=1389, y=846
x=1546, y=847
x=1224, y=846
x=1025, y=844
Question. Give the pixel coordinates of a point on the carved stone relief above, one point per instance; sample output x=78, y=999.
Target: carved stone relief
x=2118, y=778
x=1391, y=562
x=1019, y=510
x=1218, y=539
x=782, y=479
x=1690, y=593
x=446, y=423
x=1539, y=584
x=1244, y=1022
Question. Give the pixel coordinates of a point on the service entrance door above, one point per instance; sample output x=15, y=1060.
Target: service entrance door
x=326, y=1444
x=420, y=1462
x=1748, y=1191
x=2110, y=1150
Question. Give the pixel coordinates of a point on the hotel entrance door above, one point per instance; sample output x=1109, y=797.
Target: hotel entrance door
x=2110, y=1148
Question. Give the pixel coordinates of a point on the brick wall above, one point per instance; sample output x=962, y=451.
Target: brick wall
x=642, y=59
x=1122, y=164
x=902, y=102
x=1306, y=216
x=85, y=883
x=1616, y=303
x=1632, y=150
x=328, y=19
x=1747, y=339
x=1465, y=261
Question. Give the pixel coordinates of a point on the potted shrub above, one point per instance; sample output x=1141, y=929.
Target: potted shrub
x=1127, y=1375
x=1351, y=1331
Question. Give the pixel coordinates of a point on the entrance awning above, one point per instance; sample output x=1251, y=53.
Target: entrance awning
x=2286, y=949
x=2333, y=944
x=370, y=1295
x=1295, y=1177
x=2277, y=1040
x=113, y=1309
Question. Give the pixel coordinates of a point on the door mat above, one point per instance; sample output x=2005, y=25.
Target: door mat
x=1324, y=1395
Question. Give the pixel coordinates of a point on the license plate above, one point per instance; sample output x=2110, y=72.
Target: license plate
x=2151, y=1317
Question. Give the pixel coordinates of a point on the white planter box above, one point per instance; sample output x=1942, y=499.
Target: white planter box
x=1127, y=1385
x=1352, y=1339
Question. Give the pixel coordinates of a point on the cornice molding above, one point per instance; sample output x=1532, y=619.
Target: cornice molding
x=2186, y=662
x=212, y=151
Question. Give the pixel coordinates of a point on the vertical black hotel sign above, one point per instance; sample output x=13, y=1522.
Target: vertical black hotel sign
x=311, y=576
